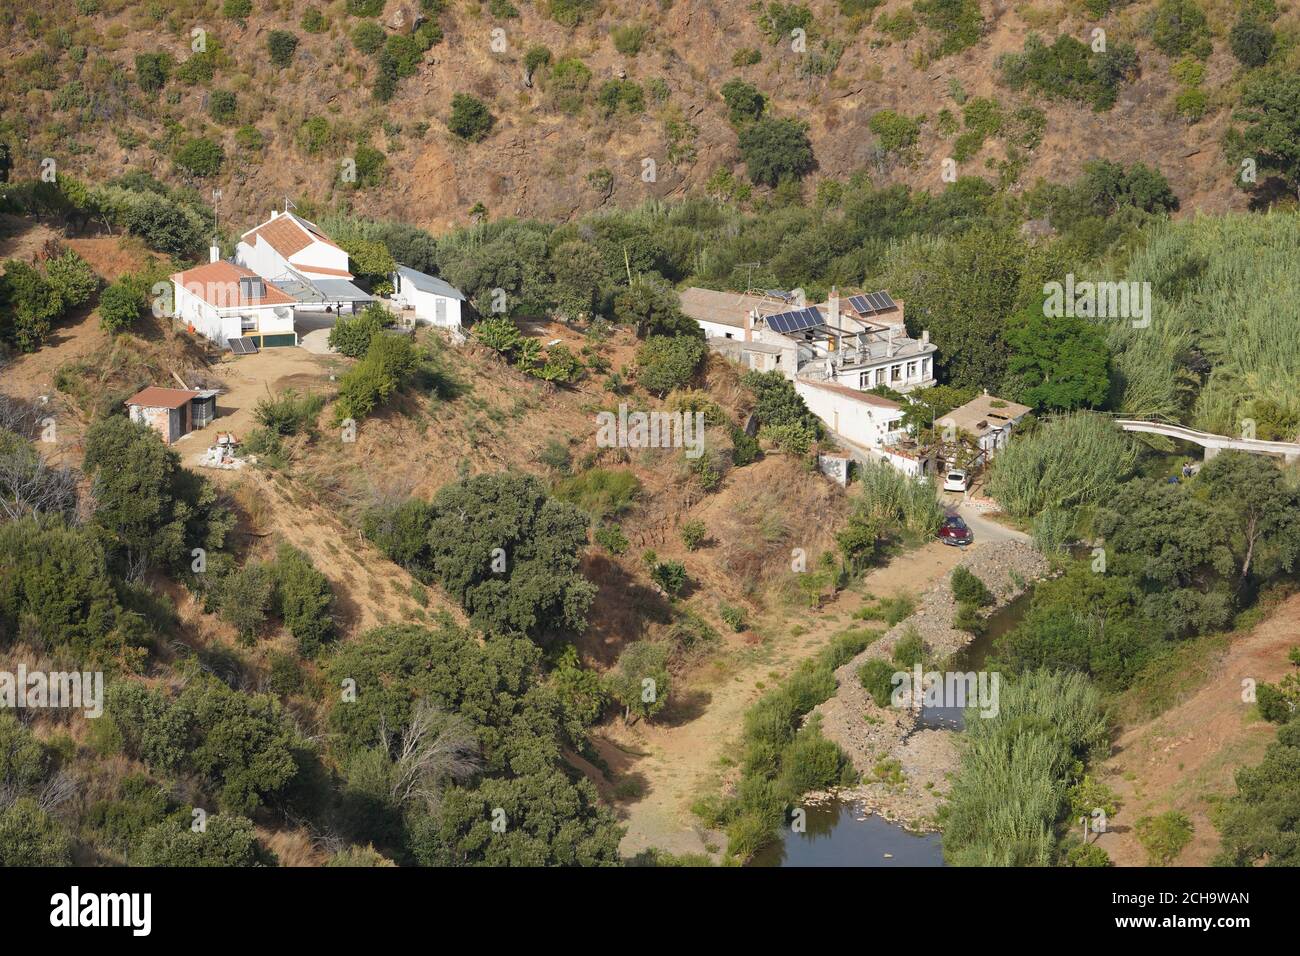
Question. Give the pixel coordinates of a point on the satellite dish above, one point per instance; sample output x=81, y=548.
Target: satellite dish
x=283, y=312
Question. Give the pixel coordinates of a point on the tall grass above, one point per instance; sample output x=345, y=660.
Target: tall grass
x=1010, y=793
x=1223, y=287
x=888, y=497
x=1068, y=461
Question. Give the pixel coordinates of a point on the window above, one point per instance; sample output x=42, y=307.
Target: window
x=895, y=373
x=864, y=380
x=911, y=370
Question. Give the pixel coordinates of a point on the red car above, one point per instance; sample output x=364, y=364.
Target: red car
x=956, y=532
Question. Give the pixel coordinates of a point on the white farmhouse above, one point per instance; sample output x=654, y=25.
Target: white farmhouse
x=227, y=303
x=862, y=418
x=430, y=298
x=302, y=261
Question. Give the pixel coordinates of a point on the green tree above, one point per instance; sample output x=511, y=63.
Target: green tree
x=776, y=149
x=201, y=157
x=745, y=103
x=1178, y=27
x=1251, y=41
x=29, y=304
x=72, y=278
x=651, y=307
x=510, y=554
x=1059, y=364
x=1270, y=102
x=120, y=306
x=148, y=509
x=152, y=70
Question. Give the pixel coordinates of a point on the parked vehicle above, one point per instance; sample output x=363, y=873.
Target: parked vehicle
x=955, y=480
x=955, y=531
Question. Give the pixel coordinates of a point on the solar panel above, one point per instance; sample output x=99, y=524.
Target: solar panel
x=242, y=346
x=798, y=320
x=872, y=303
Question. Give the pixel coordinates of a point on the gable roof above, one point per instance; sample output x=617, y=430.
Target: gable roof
x=155, y=397
x=288, y=234
x=726, y=308
x=217, y=284
x=428, y=283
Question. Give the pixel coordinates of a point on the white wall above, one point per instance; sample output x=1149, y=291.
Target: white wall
x=720, y=331
x=320, y=254
x=222, y=325
x=859, y=422
x=426, y=306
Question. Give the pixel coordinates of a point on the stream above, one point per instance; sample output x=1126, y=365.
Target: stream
x=840, y=834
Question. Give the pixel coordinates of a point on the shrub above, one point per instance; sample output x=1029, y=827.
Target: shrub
x=352, y=336
x=72, y=278
x=152, y=71
x=744, y=102
x=1251, y=41
x=368, y=36
x=201, y=157
x=894, y=131
x=1163, y=836
x=570, y=13
x=734, y=617
x=611, y=538
x=281, y=44
x=1178, y=27
x=877, y=677
x=29, y=304
x=236, y=9
x=629, y=39
x=909, y=650
x=617, y=95
x=600, y=492
x=120, y=306
x=640, y=681
x=470, y=118
x=313, y=21
x=958, y=22
x=968, y=589
x=968, y=618
x=665, y=362
x=669, y=575
x=693, y=534
x=365, y=8
x=290, y=413
x=302, y=599
x=222, y=105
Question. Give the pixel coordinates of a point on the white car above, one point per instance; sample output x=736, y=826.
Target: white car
x=955, y=480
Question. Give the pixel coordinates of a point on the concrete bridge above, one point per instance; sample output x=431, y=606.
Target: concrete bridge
x=1213, y=444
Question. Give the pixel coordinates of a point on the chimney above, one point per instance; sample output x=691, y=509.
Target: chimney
x=835, y=308
x=925, y=336
x=274, y=213
x=749, y=325
x=889, y=343
x=214, y=253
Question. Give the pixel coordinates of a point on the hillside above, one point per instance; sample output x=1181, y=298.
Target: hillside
x=555, y=150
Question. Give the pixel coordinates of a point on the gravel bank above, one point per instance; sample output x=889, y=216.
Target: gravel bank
x=917, y=766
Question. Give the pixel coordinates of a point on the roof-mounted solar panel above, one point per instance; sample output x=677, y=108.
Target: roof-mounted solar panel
x=798, y=320
x=873, y=303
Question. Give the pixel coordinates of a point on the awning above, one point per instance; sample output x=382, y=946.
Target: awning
x=317, y=291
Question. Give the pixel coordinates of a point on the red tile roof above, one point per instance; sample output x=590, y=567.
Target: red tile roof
x=155, y=397
x=217, y=283
x=287, y=234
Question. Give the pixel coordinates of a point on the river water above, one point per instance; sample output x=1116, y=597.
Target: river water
x=839, y=834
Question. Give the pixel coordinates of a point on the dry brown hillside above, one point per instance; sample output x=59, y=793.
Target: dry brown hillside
x=71, y=93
